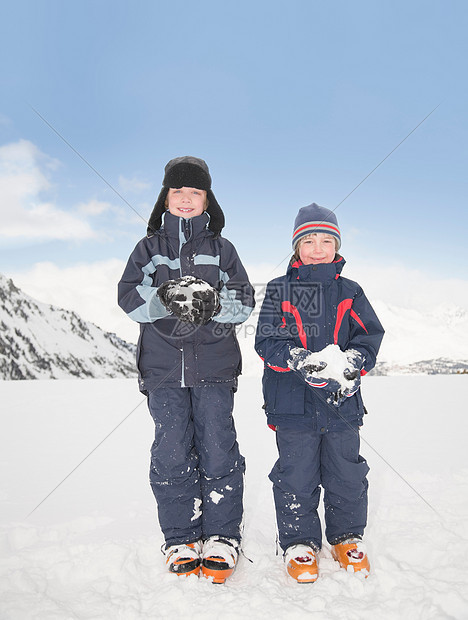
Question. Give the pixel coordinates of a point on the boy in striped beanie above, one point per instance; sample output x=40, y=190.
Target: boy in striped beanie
x=317, y=335
x=315, y=220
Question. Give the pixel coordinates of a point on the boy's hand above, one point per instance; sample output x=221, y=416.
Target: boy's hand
x=309, y=365
x=190, y=299
x=166, y=292
x=205, y=305
x=302, y=361
x=352, y=374
x=355, y=361
x=342, y=376
x=353, y=371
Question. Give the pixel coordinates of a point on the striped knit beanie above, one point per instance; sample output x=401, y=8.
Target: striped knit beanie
x=315, y=219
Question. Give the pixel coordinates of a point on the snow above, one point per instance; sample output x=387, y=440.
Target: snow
x=335, y=360
x=412, y=335
x=92, y=548
x=216, y=497
x=182, y=294
x=41, y=341
x=196, y=509
x=221, y=549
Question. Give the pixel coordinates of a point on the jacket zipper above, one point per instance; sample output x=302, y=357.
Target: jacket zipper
x=184, y=236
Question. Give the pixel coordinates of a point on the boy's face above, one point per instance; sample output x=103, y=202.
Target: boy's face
x=186, y=202
x=317, y=248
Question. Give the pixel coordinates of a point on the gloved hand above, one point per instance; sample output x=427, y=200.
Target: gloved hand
x=190, y=299
x=308, y=365
x=352, y=374
x=205, y=304
x=166, y=292
x=304, y=361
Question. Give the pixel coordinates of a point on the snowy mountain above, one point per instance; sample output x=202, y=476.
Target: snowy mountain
x=428, y=341
x=40, y=341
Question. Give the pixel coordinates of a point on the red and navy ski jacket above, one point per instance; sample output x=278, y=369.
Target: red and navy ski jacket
x=175, y=353
x=313, y=306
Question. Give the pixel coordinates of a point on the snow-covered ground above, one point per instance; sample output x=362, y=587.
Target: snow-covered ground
x=92, y=549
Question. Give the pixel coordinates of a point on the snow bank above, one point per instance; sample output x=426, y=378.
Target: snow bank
x=92, y=549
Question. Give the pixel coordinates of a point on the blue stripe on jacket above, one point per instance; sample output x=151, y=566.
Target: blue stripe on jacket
x=209, y=353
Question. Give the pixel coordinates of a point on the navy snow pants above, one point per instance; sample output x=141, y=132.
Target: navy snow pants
x=197, y=471
x=308, y=460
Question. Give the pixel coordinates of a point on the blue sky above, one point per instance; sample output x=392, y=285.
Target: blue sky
x=288, y=102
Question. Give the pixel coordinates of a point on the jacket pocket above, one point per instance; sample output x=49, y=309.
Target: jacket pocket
x=353, y=409
x=284, y=393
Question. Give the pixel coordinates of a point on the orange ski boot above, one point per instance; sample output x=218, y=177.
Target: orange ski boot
x=352, y=555
x=219, y=558
x=301, y=563
x=184, y=559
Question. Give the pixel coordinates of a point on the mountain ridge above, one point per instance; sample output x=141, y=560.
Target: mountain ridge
x=416, y=341
x=42, y=341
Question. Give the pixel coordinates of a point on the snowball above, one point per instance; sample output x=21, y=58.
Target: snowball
x=336, y=360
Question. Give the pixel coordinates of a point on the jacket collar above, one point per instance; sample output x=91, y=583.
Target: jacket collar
x=324, y=272
x=173, y=225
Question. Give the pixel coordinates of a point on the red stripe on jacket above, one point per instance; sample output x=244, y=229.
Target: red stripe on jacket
x=343, y=307
x=277, y=368
x=356, y=318
x=287, y=306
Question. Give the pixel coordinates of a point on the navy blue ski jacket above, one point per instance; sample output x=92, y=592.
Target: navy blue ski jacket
x=172, y=352
x=313, y=306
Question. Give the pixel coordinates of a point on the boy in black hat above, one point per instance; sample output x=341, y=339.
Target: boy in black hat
x=188, y=289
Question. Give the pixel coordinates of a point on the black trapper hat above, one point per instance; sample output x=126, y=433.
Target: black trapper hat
x=187, y=171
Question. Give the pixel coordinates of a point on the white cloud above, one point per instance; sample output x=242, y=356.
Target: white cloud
x=24, y=211
x=133, y=185
x=94, y=207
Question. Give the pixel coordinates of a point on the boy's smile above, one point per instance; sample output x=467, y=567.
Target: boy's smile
x=317, y=248
x=186, y=202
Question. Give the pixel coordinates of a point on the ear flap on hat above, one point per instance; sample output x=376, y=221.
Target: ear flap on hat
x=155, y=221
x=216, y=214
